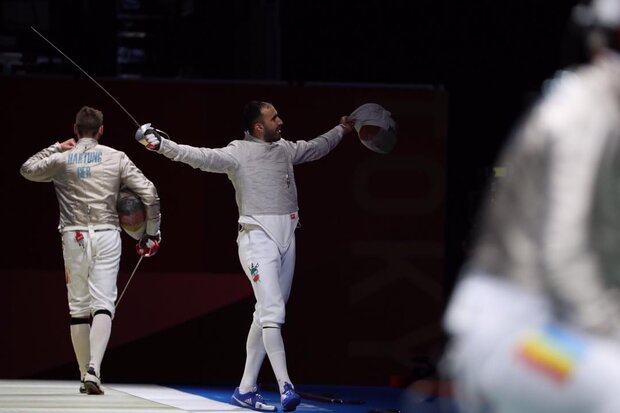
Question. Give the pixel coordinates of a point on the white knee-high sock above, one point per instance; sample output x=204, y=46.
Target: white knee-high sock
x=80, y=334
x=255, y=354
x=272, y=338
x=99, y=336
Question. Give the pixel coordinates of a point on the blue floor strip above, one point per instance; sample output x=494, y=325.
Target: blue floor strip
x=357, y=399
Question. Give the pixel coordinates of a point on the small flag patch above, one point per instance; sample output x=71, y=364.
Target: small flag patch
x=553, y=352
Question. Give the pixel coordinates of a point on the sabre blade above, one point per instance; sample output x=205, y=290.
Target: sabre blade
x=89, y=76
x=128, y=281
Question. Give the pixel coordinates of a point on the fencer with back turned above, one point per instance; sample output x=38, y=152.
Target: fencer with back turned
x=87, y=177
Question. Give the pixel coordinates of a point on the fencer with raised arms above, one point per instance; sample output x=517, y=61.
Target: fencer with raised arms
x=260, y=167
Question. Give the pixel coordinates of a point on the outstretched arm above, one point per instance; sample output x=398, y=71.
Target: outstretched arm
x=306, y=151
x=221, y=160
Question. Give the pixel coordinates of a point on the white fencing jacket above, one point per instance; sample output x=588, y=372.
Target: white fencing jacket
x=553, y=224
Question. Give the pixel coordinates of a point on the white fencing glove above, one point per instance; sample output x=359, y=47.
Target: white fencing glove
x=148, y=137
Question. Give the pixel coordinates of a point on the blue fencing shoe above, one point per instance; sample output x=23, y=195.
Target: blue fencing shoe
x=290, y=400
x=252, y=400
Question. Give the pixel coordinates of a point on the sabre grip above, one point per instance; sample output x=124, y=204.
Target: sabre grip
x=148, y=245
x=149, y=137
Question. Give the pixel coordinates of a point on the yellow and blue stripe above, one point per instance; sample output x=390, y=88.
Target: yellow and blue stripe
x=553, y=351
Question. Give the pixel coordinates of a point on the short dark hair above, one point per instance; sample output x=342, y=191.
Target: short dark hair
x=252, y=113
x=88, y=121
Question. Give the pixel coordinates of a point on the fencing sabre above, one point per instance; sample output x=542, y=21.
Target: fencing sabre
x=141, y=128
x=89, y=76
x=128, y=281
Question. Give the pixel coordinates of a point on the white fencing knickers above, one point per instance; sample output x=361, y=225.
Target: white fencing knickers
x=270, y=269
x=508, y=353
x=92, y=260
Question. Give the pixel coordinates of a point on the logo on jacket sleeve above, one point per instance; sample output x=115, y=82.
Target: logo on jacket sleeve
x=254, y=272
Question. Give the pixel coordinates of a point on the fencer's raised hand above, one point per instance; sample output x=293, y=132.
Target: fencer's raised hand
x=148, y=245
x=67, y=145
x=149, y=137
x=347, y=125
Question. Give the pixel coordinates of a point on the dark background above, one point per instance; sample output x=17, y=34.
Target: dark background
x=471, y=67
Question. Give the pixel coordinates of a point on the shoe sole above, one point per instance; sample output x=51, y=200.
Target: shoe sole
x=92, y=388
x=290, y=408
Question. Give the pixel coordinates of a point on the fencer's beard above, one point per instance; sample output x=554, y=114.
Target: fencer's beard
x=273, y=136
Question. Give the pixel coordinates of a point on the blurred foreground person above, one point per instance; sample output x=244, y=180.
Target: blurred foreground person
x=534, y=321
